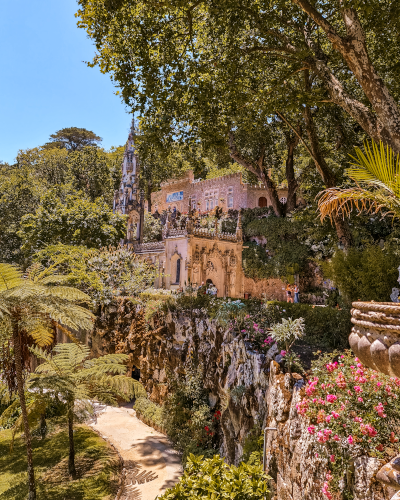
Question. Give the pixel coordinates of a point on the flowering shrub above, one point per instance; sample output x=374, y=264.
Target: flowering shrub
x=352, y=411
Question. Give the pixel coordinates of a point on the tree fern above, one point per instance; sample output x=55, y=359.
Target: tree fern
x=32, y=305
x=70, y=372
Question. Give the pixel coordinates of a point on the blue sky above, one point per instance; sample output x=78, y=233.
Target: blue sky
x=44, y=83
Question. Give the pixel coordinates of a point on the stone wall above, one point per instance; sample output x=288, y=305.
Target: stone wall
x=268, y=396
x=271, y=289
x=219, y=189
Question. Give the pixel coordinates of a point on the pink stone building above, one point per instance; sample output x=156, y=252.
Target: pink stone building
x=228, y=192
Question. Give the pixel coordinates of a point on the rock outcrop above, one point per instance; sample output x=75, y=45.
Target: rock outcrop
x=249, y=387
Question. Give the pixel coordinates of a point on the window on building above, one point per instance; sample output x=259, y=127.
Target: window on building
x=283, y=200
x=211, y=198
x=230, y=197
x=194, y=203
x=178, y=271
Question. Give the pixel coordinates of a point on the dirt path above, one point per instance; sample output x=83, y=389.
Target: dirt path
x=150, y=464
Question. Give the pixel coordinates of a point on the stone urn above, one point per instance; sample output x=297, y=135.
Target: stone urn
x=375, y=336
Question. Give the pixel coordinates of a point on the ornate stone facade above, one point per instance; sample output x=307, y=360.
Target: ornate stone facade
x=197, y=255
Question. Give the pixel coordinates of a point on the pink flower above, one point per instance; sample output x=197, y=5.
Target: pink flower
x=357, y=389
x=350, y=439
x=336, y=437
x=332, y=458
x=328, y=418
x=331, y=398
x=378, y=384
x=360, y=400
x=283, y=353
x=380, y=410
x=311, y=429
x=335, y=415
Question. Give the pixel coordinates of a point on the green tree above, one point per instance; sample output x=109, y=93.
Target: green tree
x=20, y=193
x=80, y=380
x=235, y=45
x=103, y=274
x=73, y=139
x=72, y=220
x=31, y=306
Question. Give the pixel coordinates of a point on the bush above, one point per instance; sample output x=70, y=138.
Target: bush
x=213, y=479
x=364, y=274
x=150, y=411
x=352, y=411
x=325, y=326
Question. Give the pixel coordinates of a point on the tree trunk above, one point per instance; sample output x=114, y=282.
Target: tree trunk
x=148, y=196
x=382, y=125
x=292, y=141
x=43, y=426
x=71, y=457
x=341, y=225
x=21, y=395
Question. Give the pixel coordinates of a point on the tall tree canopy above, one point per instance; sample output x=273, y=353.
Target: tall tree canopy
x=157, y=49
x=73, y=139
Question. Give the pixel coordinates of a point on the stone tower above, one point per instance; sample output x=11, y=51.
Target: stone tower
x=127, y=199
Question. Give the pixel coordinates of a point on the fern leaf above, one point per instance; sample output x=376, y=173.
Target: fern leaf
x=10, y=277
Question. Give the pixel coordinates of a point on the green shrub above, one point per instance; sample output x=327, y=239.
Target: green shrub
x=188, y=419
x=325, y=326
x=364, y=274
x=212, y=478
x=152, y=412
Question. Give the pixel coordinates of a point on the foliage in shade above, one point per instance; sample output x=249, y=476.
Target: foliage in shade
x=97, y=461
x=188, y=418
x=367, y=273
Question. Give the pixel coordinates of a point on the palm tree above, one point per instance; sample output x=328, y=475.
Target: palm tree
x=377, y=176
x=32, y=306
x=80, y=380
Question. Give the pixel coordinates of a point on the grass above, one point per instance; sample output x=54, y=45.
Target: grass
x=97, y=466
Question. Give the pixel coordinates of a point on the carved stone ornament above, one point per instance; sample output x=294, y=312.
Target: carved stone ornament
x=375, y=336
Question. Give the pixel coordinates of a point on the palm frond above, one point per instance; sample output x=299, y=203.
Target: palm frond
x=377, y=167
x=344, y=201
x=10, y=277
x=376, y=173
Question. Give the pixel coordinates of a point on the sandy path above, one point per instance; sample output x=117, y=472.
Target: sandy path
x=151, y=465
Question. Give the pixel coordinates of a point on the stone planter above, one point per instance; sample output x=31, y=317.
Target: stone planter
x=375, y=336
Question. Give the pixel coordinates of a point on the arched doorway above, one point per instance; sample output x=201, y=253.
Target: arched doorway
x=262, y=201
